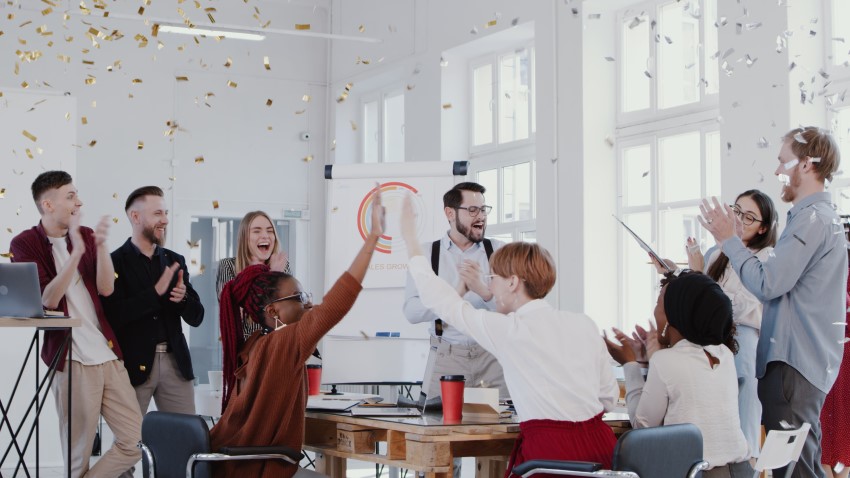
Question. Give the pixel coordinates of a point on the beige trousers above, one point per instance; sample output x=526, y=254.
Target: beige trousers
x=166, y=385
x=478, y=366
x=98, y=390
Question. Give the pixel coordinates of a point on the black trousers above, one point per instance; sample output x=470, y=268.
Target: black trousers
x=786, y=396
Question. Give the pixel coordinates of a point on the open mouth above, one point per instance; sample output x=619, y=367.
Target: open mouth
x=478, y=226
x=264, y=246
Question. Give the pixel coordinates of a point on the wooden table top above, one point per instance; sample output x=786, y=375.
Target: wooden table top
x=41, y=322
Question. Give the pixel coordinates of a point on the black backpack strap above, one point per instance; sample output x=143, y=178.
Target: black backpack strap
x=435, y=265
x=488, y=247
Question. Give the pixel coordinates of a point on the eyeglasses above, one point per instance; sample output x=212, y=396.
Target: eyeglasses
x=747, y=218
x=304, y=297
x=475, y=210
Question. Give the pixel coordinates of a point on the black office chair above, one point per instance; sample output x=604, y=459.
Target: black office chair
x=671, y=451
x=177, y=445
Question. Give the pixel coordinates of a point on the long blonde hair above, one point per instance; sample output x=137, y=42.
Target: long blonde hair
x=243, y=255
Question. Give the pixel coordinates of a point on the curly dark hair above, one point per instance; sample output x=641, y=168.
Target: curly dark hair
x=729, y=336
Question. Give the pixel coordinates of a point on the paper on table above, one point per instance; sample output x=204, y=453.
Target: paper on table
x=317, y=403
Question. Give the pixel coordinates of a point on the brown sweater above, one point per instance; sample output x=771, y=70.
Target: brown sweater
x=267, y=406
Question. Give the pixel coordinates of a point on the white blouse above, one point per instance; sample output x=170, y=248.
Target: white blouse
x=556, y=364
x=682, y=387
x=746, y=308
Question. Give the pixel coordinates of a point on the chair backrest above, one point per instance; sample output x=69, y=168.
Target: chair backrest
x=659, y=452
x=172, y=439
x=782, y=447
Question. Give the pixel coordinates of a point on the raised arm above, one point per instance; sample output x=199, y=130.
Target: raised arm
x=361, y=261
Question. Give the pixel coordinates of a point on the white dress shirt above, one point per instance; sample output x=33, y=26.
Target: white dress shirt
x=682, y=387
x=556, y=364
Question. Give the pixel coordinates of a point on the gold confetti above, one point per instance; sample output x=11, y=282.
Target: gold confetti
x=199, y=160
x=193, y=244
x=269, y=128
x=30, y=136
x=136, y=81
x=114, y=195
x=447, y=106
x=302, y=26
x=7, y=255
x=344, y=95
x=141, y=10
x=64, y=58
x=269, y=102
x=84, y=120
x=333, y=145
x=209, y=15
x=94, y=104
x=115, y=220
x=25, y=85
x=353, y=125
x=91, y=80
x=228, y=63
x=17, y=68
x=2, y=193
x=491, y=23
x=410, y=87
x=67, y=116
x=9, y=230
x=231, y=84
x=361, y=29
x=215, y=204
x=29, y=153
x=140, y=145
x=92, y=143
x=143, y=41
x=308, y=158
x=88, y=62
x=266, y=63
x=364, y=61
x=182, y=78
x=300, y=112
x=155, y=29
x=306, y=98
x=172, y=178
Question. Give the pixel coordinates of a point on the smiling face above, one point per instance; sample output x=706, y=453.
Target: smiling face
x=287, y=311
x=749, y=210
x=60, y=204
x=261, y=240
x=468, y=226
x=150, y=218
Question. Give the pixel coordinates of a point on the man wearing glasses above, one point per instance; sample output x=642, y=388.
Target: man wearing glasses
x=802, y=285
x=461, y=257
x=152, y=294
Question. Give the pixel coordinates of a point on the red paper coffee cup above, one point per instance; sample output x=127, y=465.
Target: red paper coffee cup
x=314, y=378
x=451, y=387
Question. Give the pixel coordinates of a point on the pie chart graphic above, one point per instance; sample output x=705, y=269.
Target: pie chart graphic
x=392, y=195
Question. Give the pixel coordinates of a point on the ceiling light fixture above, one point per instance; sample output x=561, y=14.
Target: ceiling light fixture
x=205, y=32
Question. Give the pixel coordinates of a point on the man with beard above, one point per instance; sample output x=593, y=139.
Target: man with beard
x=802, y=287
x=73, y=269
x=461, y=257
x=152, y=293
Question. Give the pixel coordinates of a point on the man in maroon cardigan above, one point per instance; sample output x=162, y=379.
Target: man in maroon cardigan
x=74, y=267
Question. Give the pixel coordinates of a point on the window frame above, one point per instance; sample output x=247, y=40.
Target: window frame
x=380, y=96
x=838, y=73
x=706, y=102
x=494, y=60
x=515, y=228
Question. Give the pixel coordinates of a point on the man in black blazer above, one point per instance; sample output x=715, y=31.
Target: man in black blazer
x=152, y=293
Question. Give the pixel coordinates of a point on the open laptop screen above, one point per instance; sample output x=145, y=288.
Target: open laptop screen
x=20, y=293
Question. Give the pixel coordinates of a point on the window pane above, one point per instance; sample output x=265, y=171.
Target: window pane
x=712, y=164
x=370, y=132
x=533, y=91
x=634, y=60
x=514, y=77
x=842, y=132
x=636, y=178
x=712, y=69
x=639, y=275
x=482, y=99
x=679, y=167
x=504, y=237
x=674, y=227
x=529, y=236
x=678, y=55
x=841, y=196
x=394, y=128
x=490, y=180
x=840, y=29
x=516, y=195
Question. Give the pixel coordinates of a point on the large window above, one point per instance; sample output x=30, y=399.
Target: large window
x=502, y=99
x=383, y=127
x=668, y=77
x=840, y=37
x=669, y=58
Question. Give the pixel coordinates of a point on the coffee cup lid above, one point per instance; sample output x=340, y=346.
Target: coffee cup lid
x=314, y=365
x=452, y=378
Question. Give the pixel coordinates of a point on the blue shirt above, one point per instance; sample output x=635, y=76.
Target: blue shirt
x=802, y=285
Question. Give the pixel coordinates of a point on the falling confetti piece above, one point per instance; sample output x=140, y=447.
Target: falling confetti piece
x=269, y=102
x=308, y=158
x=30, y=136
x=798, y=137
x=791, y=164
x=28, y=153
x=474, y=31
x=90, y=80
x=814, y=160
x=228, y=63
x=199, y=160
x=140, y=145
x=447, y=106
x=410, y=87
x=194, y=244
x=306, y=98
x=114, y=195
x=92, y=143
x=2, y=193
x=361, y=29
x=136, y=81
x=182, y=78
x=763, y=143
x=231, y=84
x=300, y=112
x=302, y=26
x=333, y=145
x=215, y=204
x=266, y=63
x=491, y=23
x=344, y=95
x=353, y=125
x=7, y=255
x=115, y=220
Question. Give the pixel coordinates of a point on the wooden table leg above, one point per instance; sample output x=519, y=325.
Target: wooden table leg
x=490, y=467
x=332, y=466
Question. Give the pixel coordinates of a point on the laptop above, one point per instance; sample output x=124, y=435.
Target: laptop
x=20, y=292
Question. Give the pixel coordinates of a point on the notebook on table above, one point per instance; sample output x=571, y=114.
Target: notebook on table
x=384, y=411
x=20, y=292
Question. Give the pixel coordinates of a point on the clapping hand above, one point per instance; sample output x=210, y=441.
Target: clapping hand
x=179, y=290
x=623, y=352
x=77, y=243
x=696, y=261
x=164, y=281
x=720, y=220
x=101, y=231
x=278, y=261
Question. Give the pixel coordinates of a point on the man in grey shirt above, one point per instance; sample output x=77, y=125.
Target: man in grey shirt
x=462, y=258
x=802, y=285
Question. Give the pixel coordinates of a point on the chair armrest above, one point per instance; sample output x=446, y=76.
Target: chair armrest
x=699, y=466
x=549, y=465
x=262, y=450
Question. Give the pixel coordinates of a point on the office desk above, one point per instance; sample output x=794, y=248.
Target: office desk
x=20, y=438
x=422, y=444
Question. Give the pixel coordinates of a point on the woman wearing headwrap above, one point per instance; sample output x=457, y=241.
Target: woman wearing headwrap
x=692, y=379
x=265, y=391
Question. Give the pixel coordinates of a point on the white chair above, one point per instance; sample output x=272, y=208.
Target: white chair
x=781, y=448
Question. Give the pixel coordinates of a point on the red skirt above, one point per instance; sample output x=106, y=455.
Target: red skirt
x=591, y=440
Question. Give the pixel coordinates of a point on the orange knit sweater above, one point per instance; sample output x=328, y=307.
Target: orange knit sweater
x=267, y=406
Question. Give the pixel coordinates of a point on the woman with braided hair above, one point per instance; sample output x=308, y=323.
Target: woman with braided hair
x=265, y=379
